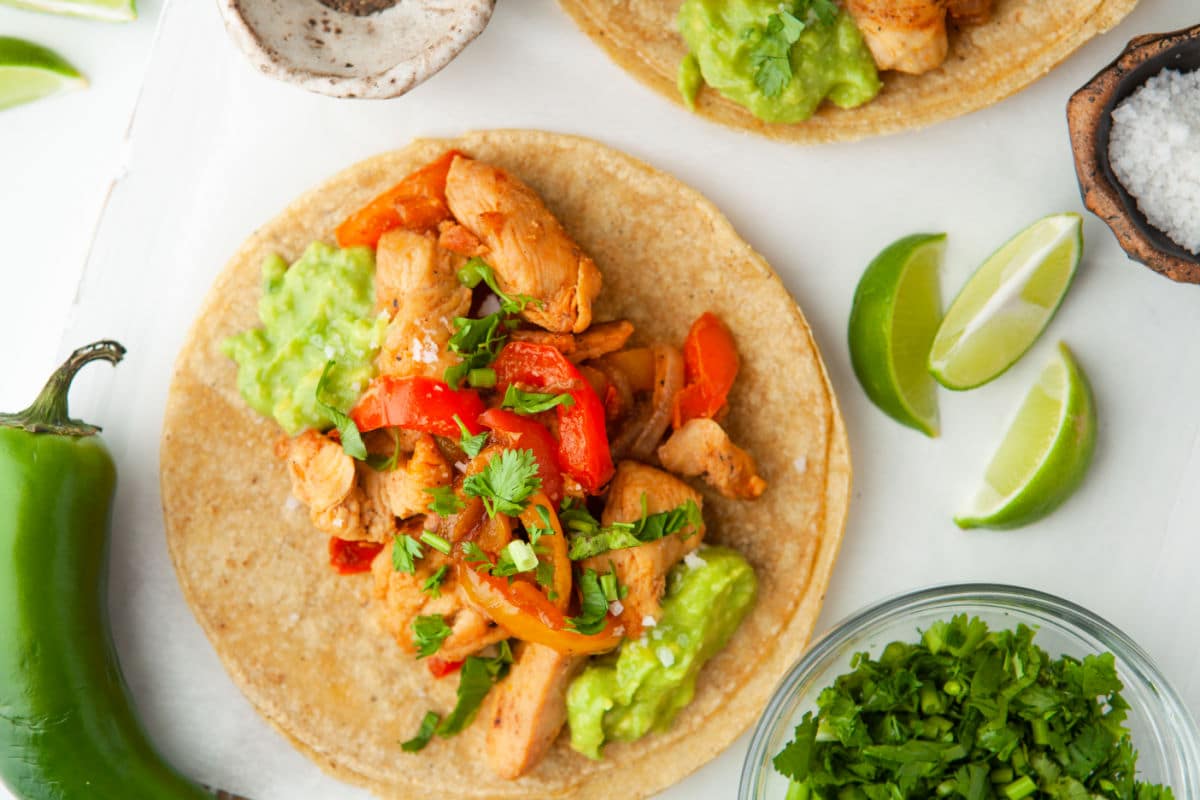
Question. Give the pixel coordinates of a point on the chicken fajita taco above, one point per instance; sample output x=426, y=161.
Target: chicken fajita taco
x=829, y=70
x=501, y=467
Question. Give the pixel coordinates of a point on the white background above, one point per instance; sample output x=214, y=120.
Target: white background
x=217, y=148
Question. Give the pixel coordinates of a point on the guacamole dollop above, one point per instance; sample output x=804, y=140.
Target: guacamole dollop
x=320, y=309
x=651, y=679
x=779, y=60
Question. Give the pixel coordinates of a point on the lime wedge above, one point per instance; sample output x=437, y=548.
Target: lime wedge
x=896, y=309
x=106, y=10
x=30, y=72
x=1007, y=303
x=1044, y=454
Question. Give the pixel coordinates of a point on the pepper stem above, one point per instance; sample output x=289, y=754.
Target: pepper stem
x=48, y=413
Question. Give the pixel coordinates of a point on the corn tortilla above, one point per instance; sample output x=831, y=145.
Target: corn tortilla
x=302, y=642
x=1023, y=41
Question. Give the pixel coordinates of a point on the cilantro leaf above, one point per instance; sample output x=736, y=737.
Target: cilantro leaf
x=352, y=442
x=506, y=483
x=477, y=270
x=527, y=403
x=381, y=463
x=593, y=607
x=476, y=680
x=771, y=55
x=536, y=532
x=471, y=445
x=432, y=585
x=429, y=631
x=474, y=554
x=477, y=342
x=445, y=502
x=821, y=12
x=404, y=550
x=591, y=539
x=429, y=725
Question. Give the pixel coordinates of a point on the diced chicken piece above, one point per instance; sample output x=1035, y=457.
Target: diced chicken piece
x=643, y=569
x=601, y=339
x=904, y=35
x=970, y=12
x=325, y=480
x=416, y=282
x=563, y=342
x=529, y=708
x=403, y=489
x=527, y=246
x=702, y=447
x=399, y=601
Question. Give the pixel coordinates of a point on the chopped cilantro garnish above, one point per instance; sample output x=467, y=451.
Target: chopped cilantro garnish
x=971, y=713
x=478, y=676
x=771, y=54
x=610, y=585
x=381, y=463
x=352, y=442
x=589, y=538
x=429, y=725
x=471, y=445
x=506, y=483
x=527, y=403
x=477, y=270
x=478, y=342
x=593, y=607
x=436, y=542
x=474, y=554
x=429, y=631
x=544, y=575
x=445, y=502
x=536, y=532
x=433, y=584
x=404, y=550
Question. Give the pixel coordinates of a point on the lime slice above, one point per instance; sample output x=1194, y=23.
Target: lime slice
x=1007, y=303
x=1044, y=454
x=30, y=72
x=106, y=10
x=896, y=309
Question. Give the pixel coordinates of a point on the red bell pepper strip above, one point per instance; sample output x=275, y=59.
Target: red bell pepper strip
x=710, y=366
x=417, y=403
x=583, y=451
x=349, y=557
x=440, y=667
x=418, y=203
x=513, y=431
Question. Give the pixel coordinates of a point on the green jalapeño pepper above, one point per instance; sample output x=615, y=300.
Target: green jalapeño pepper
x=68, y=730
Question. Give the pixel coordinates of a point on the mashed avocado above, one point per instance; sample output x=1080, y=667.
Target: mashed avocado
x=320, y=309
x=779, y=60
x=652, y=678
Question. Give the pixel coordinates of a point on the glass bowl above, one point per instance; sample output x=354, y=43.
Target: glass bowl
x=1163, y=731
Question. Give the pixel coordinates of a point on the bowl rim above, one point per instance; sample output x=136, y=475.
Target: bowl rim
x=1089, y=123
x=1132, y=657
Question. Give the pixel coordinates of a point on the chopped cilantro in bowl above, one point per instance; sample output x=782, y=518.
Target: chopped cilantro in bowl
x=974, y=691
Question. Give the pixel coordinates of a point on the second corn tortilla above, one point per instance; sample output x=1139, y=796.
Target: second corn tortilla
x=1023, y=41
x=301, y=641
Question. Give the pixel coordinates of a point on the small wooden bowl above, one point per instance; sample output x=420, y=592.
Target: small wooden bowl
x=1089, y=117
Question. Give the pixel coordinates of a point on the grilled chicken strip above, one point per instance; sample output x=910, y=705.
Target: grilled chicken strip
x=702, y=447
x=643, y=569
x=529, y=708
x=526, y=245
x=416, y=283
x=904, y=35
x=400, y=600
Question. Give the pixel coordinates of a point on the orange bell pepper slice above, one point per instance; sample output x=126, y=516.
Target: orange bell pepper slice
x=416, y=203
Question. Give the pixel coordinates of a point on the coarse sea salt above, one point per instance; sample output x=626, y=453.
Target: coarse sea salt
x=694, y=561
x=665, y=656
x=1154, y=149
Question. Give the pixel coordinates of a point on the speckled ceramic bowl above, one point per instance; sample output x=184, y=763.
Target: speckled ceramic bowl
x=378, y=55
x=1089, y=116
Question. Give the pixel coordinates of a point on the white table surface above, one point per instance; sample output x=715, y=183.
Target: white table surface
x=217, y=148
